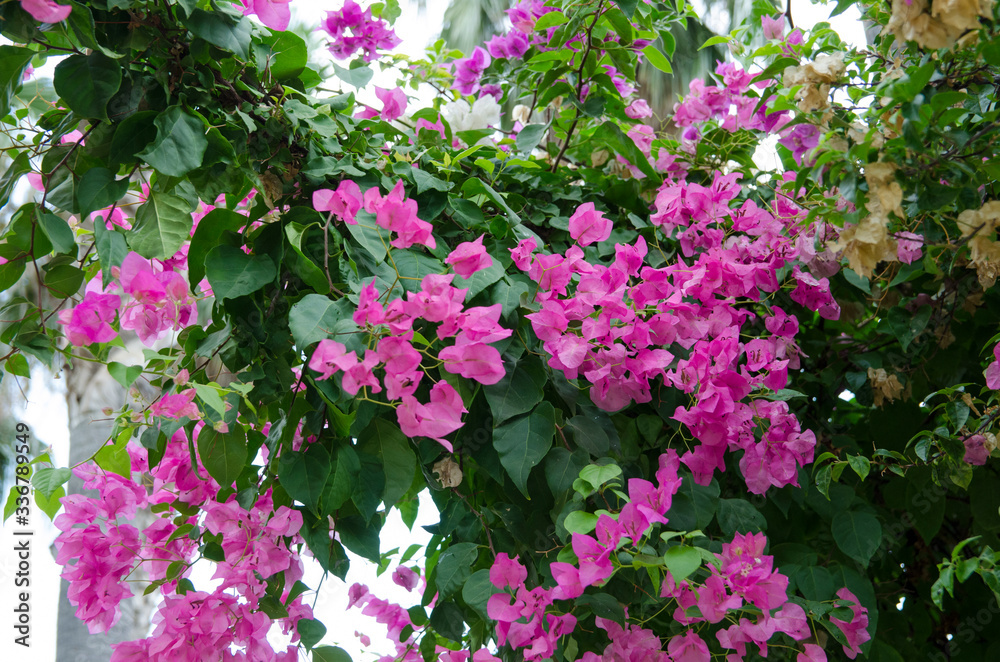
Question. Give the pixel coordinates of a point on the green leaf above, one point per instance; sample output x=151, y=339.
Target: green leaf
x=20, y=166
x=123, y=374
x=384, y=440
x=360, y=535
x=356, y=76
x=580, y=521
x=813, y=581
x=223, y=453
x=518, y=391
x=682, y=561
x=207, y=236
x=161, y=226
x=657, y=59
x=133, y=135
x=523, y=442
x=58, y=232
x=17, y=365
x=330, y=654
x=712, y=41
x=906, y=326
x=87, y=82
x=860, y=464
x=50, y=505
x=111, y=250
x=13, y=61
x=370, y=236
x=304, y=475
x=603, y=605
x=311, y=631
x=454, y=567
x=316, y=317
x=47, y=479
x=739, y=516
x=529, y=137
x=477, y=590
x=694, y=505
x=345, y=468
x=63, y=280
x=98, y=189
x=550, y=19
x=210, y=396
x=115, y=458
x=627, y=6
x=232, y=273
x=857, y=534
x=219, y=30
x=283, y=54
x=620, y=143
x=180, y=143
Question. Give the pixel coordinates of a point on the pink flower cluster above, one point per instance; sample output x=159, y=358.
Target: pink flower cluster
x=522, y=618
x=275, y=14
x=46, y=11
x=158, y=302
x=352, y=29
x=471, y=355
x=396, y=619
x=99, y=553
x=621, y=326
x=729, y=105
x=741, y=578
x=393, y=212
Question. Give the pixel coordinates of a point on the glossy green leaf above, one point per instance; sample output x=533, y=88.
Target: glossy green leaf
x=98, y=188
x=518, y=391
x=232, y=273
x=180, y=143
x=858, y=534
x=384, y=440
x=454, y=567
x=223, y=453
x=523, y=442
x=161, y=226
x=87, y=82
x=220, y=30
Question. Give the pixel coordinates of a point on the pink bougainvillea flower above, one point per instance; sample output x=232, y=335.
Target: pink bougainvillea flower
x=688, y=647
x=476, y=361
x=405, y=577
x=774, y=28
x=393, y=102
x=275, y=14
x=441, y=416
x=856, y=631
x=177, y=405
x=469, y=70
x=975, y=450
x=909, y=247
x=587, y=225
x=46, y=11
x=993, y=370
x=507, y=572
x=424, y=125
x=331, y=356
x=90, y=320
x=639, y=109
x=469, y=257
x=344, y=202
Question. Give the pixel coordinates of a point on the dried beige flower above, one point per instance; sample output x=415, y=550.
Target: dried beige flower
x=884, y=386
x=448, y=472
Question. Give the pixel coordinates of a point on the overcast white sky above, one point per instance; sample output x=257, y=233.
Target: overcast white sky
x=45, y=412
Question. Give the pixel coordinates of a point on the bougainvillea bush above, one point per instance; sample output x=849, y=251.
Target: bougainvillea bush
x=672, y=402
